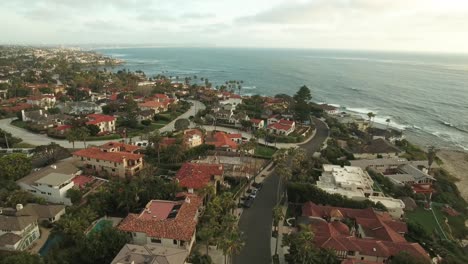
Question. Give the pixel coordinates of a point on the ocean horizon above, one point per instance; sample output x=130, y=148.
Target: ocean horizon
x=423, y=94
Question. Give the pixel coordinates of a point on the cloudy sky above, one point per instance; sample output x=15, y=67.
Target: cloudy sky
x=413, y=25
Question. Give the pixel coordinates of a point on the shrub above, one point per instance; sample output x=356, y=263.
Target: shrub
x=146, y=122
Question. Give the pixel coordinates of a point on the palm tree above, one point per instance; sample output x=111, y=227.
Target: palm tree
x=301, y=245
x=278, y=215
x=284, y=172
x=72, y=137
x=371, y=116
x=231, y=244
x=388, y=122
x=431, y=155
x=82, y=133
x=206, y=234
x=206, y=193
x=156, y=140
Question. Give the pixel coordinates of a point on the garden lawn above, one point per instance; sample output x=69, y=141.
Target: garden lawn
x=264, y=151
x=426, y=219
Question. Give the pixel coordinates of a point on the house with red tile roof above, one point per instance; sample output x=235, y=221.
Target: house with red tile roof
x=105, y=123
x=358, y=234
x=282, y=127
x=170, y=224
x=166, y=142
x=224, y=141
x=192, y=138
x=158, y=103
x=257, y=123
x=195, y=176
x=112, y=158
x=42, y=100
x=16, y=107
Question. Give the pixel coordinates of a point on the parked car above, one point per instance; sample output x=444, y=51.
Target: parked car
x=253, y=194
x=248, y=202
x=257, y=185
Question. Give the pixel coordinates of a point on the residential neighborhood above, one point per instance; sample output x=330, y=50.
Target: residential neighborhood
x=126, y=167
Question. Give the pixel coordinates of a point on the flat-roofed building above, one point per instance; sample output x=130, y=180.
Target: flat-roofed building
x=51, y=183
x=356, y=184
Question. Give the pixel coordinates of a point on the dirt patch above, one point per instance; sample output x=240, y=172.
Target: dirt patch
x=456, y=163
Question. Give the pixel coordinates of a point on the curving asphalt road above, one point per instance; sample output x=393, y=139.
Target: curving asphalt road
x=41, y=139
x=256, y=222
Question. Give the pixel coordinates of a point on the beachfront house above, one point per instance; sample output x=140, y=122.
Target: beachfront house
x=355, y=183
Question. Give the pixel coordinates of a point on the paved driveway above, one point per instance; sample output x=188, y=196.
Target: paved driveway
x=256, y=222
x=40, y=139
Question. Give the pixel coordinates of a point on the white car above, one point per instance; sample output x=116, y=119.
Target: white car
x=253, y=194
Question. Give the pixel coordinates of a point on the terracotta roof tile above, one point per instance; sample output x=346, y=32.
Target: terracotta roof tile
x=221, y=140
x=198, y=175
x=154, y=220
x=98, y=118
x=96, y=153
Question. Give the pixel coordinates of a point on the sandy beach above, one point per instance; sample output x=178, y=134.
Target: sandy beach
x=456, y=163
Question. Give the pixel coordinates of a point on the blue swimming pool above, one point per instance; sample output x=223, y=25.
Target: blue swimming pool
x=100, y=225
x=51, y=241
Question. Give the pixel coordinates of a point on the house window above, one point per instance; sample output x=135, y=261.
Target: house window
x=33, y=191
x=350, y=253
x=43, y=192
x=113, y=170
x=49, y=193
x=156, y=240
x=175, y=242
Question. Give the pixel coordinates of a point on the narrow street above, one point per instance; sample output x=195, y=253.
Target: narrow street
x=256, y=222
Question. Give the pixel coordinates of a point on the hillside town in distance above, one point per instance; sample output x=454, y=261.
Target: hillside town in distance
x=101, y=164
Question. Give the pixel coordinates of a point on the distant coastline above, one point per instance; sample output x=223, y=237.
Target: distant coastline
x=424, y=95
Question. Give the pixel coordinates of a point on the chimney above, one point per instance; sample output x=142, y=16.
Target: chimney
x=187, y=199
x=19, y=207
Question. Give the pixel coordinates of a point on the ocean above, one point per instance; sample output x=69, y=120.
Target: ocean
x=426, y=95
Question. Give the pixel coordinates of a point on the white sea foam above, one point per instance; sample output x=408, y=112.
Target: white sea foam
x=361, y=110
x=249, y=87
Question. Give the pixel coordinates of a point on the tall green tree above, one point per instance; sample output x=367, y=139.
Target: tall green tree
x=82, y=134
x=72, y=136
x=102, y=246
x=303, y=94
x=156, y=139
x=431, y=155
x=231, y=244
x=371, y=117
x=181, y=124
x=20, y=258
x=278, y=216
x=14, y=166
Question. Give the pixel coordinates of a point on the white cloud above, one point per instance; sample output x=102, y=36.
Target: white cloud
x=346, y=24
